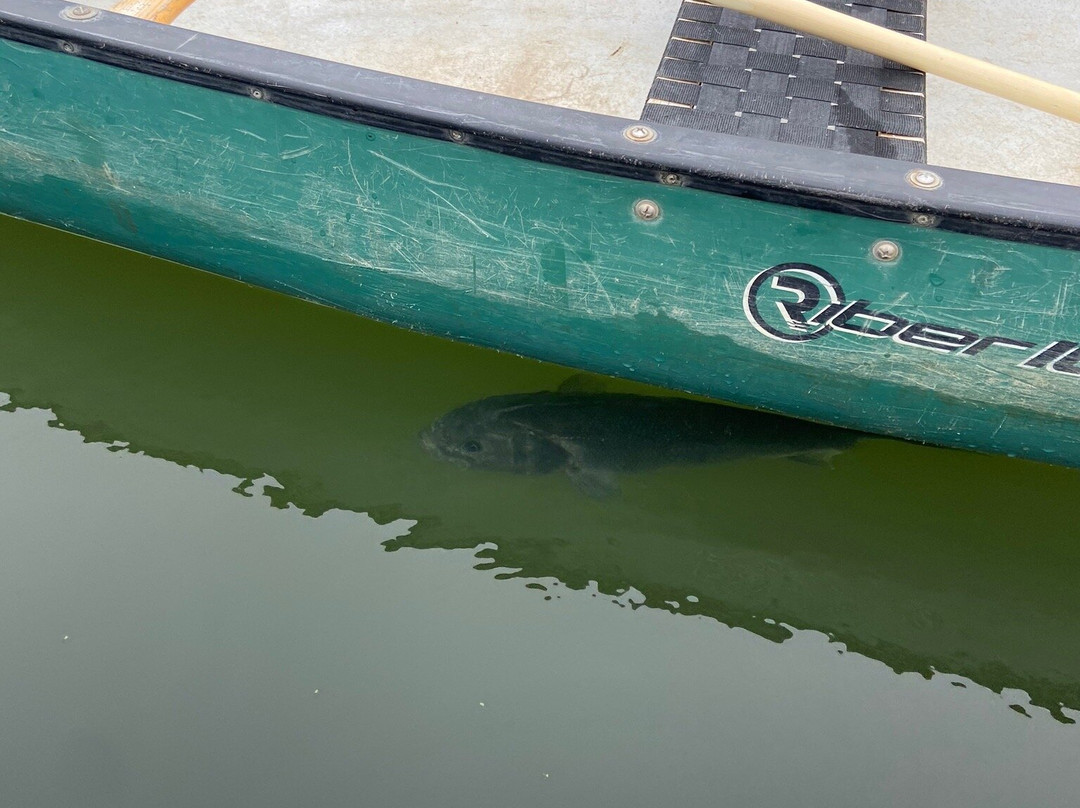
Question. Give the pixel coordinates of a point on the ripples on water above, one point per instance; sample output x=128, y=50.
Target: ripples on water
x=703, y=604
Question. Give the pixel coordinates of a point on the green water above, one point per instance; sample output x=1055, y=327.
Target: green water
x=231, y=575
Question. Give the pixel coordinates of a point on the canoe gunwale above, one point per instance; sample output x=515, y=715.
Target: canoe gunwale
x=1004, y=208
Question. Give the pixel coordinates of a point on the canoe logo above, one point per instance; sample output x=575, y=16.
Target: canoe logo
x=797, y=313
x=800, y=302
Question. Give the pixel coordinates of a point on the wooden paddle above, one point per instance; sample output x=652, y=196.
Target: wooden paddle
x=802, y=15
x=154, y=10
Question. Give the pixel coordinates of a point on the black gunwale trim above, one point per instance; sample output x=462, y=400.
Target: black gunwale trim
x=969, y=202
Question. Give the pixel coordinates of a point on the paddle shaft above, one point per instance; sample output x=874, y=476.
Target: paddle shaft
x=155, y=10
x=810, y=18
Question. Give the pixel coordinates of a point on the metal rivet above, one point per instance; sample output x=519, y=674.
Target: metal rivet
x=256, y=93
x=456, y=136
x=924, y=178
x=67, y=47
x=885, y=250
x=670, y=179
x=80, y=13
x=639, y=133
x=647, y=210
x=923, y=220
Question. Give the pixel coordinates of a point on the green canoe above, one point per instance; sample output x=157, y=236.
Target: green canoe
x=930, y=304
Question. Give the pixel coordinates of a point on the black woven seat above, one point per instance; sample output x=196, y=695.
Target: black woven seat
x=727, y=72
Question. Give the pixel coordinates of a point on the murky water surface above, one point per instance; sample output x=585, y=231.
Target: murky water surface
x=254, y=552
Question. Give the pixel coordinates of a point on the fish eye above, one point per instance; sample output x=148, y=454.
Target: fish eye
x=472, y=447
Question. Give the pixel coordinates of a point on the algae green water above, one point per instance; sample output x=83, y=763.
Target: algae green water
x=230, y=574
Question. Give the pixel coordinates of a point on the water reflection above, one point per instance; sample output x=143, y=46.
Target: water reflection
x=593, y=436
x=927, y=560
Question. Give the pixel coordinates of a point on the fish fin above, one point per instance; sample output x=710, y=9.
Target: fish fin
x=594, y=483
x=820, y=459
x=582, y=383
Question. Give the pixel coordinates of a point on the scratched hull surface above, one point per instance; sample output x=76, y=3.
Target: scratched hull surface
x=963, y=340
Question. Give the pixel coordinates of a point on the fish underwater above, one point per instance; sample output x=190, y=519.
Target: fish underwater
x=594, y=436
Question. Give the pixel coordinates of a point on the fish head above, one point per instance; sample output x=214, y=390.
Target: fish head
x=493, y=434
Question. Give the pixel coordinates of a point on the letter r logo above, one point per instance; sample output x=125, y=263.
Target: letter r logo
x=800, y=294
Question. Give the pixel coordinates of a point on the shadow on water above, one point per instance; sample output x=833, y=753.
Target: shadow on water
x=927, y=560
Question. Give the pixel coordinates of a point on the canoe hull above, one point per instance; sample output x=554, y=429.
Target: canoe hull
x=963, y=339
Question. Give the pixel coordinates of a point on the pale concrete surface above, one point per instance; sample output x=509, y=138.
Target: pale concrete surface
x=600, y=57
x=586, y=55
x=973, y=130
